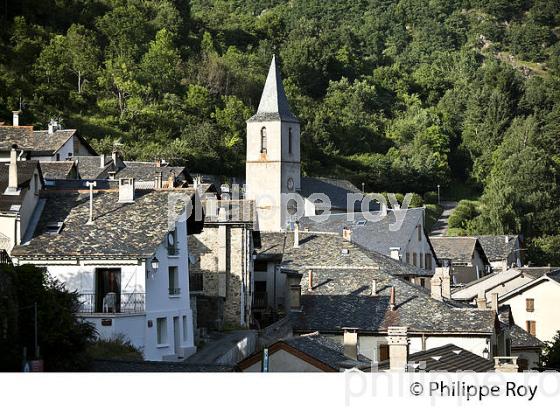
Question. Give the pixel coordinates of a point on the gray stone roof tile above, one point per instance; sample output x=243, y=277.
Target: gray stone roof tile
x=495, y=246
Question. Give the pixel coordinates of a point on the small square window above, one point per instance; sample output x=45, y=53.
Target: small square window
x=174, y=288
x=530, y=305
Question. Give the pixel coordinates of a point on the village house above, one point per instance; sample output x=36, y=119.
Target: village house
x=503, y=251
x=221, y=265
x=464, y=254
x=20, y=184
x=53, y=144
x=399, y=234
x=125, y=252
x=55, y=170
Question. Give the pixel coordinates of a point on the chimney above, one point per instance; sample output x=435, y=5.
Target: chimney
x=351, y=342
x=310, y=280
x=296, y=235
x=102, y=161
x=503, y=364
x=347, y=234
x=395, y=253
x=494, y=302
x=158, y=163
x=15, y=120
x=126, y=190
x=158, y=180
x=171, y=180
x=398, y=348
x=441, y=283
x=506, y=238
x=481, y=300
x=115, y=157
x=392, y=299
x=293, y=279
x=13, y=183
x=373, y=287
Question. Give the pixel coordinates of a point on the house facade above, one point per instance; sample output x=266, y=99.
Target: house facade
x=129, y=265
x=503, y=251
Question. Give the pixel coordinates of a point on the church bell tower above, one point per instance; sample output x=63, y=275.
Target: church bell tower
x=273, y=154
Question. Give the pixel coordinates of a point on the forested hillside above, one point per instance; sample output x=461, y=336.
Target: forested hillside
x=402, y=95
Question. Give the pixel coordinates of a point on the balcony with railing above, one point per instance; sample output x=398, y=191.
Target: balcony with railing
x=112, y=303
x=196, y=282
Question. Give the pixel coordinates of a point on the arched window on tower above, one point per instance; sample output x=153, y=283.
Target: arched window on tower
x=263, y=140
x=289, y=140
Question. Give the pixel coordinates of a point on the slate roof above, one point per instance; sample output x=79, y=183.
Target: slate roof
x=496, y=248
x=130, y=366
x=327, y=250
x=57, y=169
x=89, y=167
x=120, y=229
x=495, y=281
x=25, y=173
x=521, y=339
x=272, y=245
x=274, y=103
x=38, y=142
x=237, y=211
x=459, y=249
x=342, y=298
x=447, y=358
x=377, y=236
x=336, y=190
x=146, y=171
x=325, y=350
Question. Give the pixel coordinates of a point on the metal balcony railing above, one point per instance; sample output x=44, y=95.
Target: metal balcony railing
x=174, y=291
x=127, y=303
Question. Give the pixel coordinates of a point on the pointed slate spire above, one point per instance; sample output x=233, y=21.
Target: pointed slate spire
x=274, y=103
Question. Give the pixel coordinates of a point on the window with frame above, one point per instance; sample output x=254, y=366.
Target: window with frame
x=289, y=140
x=172, y=243
x=161, y=327
x=174, y=280
x=428, y=262
x=408, y=257
x=414, y=258
x=419, y=233
x=531, y=327
x=263, y=140
x=530, y=304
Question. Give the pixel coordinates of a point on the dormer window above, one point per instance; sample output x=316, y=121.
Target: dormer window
x=54, y=228
x=263, y=140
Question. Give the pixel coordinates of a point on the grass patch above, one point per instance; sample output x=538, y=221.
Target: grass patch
x=118, y=348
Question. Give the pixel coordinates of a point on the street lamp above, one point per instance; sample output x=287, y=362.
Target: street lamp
x=438, y=199
x=155, y=264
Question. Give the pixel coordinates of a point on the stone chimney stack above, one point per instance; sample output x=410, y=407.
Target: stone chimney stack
x=395, y=253
x=296, y=235
x=158, y=180
x=505, y=364
x=102, y=161
x=310, y=280
x=126, y=190
x=506, y=238
x=495, y=306
x=481, y=300
x=351, y=343
x=15, y=118
x=347, y=234
x=293, y=281
x=441, y=283
x=13, y=182
x=398, y=348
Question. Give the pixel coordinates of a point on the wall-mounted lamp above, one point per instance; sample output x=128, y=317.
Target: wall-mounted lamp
x=485, y=353
x=155, y=264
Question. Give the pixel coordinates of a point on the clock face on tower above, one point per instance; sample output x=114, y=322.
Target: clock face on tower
x=290, y=184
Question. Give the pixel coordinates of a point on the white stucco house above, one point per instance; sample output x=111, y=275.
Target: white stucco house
x=52, y=144
x=20, y=184
x=129, y=264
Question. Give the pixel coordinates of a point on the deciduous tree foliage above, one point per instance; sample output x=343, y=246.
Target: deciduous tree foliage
x=397, y=94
